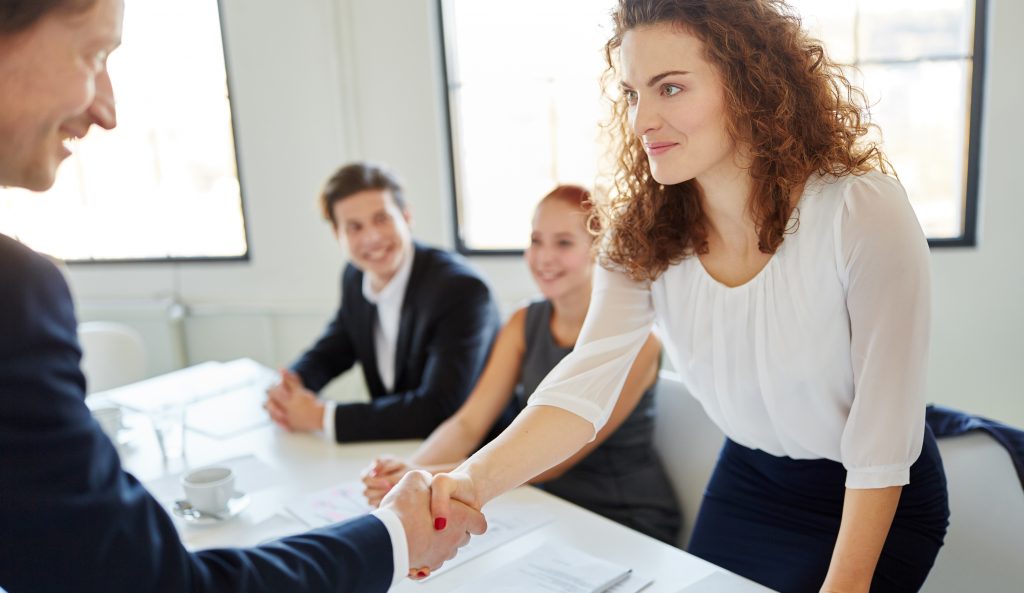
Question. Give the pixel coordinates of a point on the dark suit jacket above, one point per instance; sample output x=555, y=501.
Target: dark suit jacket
x=448, y=323
x=947, y=422
x=72, y=521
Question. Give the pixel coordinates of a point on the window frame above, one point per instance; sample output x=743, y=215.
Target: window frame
x=247, y=255
x=449, y=136
x=967, y=238
x=969, y=234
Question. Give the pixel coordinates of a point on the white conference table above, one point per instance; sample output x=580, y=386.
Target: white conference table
x=292, y=465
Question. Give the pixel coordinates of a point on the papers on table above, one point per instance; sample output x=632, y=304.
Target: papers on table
x=505, y=521
x=725, y=582
x=557, y=568
x=220, y=399
x=229, y=413
x=251, y=475
x=191, y=384
x=337, y=503
x=634, y=583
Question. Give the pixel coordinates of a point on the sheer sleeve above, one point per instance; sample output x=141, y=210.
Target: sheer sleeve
x=588, y=381
x=883, y=260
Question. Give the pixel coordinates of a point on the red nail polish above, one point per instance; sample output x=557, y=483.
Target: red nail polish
x=421, y=574
x=440, y=523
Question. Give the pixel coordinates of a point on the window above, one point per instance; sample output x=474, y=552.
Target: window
x=524, y=103
x=163, y=185
x=922, y=66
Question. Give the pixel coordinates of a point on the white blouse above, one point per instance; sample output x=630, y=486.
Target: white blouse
x=821, y=355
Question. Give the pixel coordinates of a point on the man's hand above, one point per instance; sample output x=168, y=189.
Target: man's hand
x=430, y=547
x=292, y=406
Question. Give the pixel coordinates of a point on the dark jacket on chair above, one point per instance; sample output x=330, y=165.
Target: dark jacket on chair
x=448, y=323
x=946, y=422
x=71, y=520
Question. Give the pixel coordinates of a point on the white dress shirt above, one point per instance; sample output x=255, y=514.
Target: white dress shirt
x=821, y=355
x=389, y=301
x=399, y=545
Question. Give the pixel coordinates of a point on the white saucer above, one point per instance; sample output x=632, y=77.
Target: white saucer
x=236, y=504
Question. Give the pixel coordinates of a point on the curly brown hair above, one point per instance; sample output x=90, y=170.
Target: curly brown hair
x=786, y=100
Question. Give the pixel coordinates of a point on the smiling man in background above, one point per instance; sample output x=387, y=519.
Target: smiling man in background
x=71, y=520
x=418, y=320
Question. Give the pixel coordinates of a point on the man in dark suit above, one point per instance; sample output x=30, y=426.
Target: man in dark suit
x=418, y=320
x=71, y=520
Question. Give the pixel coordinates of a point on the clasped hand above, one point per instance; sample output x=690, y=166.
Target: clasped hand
x=437, y=521
x=438, y=514
x=293, y=407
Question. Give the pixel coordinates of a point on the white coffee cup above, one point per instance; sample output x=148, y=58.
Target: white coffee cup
x=210, y=488
x=109, y=419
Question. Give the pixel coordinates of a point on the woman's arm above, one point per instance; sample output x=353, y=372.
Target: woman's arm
x=571, y=404
x=641, y=376
x=883, y=260
x=867, y=516
x=456, y=437
x=386, y=472
x=539, y=438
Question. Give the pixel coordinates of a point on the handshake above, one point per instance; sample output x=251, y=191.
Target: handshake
x=436, y=526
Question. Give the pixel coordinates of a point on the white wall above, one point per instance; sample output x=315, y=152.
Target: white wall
x=320, y=82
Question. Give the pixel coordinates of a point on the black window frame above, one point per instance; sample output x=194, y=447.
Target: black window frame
x=247, y=255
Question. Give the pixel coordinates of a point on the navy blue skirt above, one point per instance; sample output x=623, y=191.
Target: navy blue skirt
x=775, y=520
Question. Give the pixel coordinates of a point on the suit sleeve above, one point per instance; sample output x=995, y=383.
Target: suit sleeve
x=463, y=331
x=72, y=520
x=333, y=353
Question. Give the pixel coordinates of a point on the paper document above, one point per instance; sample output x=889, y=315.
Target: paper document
x=252, y=475
x=191, y=384
x=552, y=568
x=505, y=522
x=634, y=583
x=725, y=582
x=331, y=505
x=229, y=413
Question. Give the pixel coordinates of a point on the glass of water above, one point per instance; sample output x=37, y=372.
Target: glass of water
x=169, y=424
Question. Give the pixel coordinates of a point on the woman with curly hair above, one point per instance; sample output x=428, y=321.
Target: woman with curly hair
x=756, y=225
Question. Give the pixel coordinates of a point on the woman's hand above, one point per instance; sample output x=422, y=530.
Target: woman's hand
x=445, y=488
x=381, y=477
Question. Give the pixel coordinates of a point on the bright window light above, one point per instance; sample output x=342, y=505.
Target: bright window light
x=525, y=103
x=163, y=185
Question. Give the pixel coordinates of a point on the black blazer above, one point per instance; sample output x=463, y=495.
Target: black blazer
x=71, y=520
x=448, y=323
x=947, y=422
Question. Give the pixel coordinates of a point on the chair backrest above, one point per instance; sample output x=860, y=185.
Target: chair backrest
x=113, y=354
x=984, y=547
x=688, y=443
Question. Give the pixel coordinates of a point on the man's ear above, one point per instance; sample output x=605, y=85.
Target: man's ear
x=407, y=215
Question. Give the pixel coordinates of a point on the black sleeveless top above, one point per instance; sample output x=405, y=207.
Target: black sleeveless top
x=622, y=479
